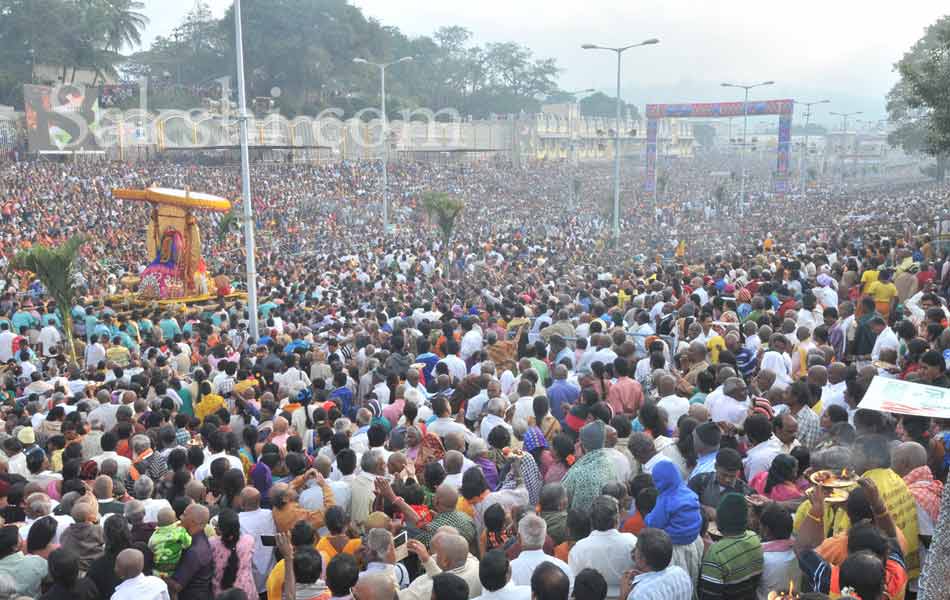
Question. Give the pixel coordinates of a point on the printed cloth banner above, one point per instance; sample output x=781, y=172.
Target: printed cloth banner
x=907, y=398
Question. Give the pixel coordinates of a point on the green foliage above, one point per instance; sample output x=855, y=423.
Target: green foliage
x=55, y=268
x=602, y=105
x=73, y=34
x=228, y=223
x=918, y=103
x=444, y=209
x=304, y=47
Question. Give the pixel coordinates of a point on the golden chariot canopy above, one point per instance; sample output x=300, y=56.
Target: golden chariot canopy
x=173, y=241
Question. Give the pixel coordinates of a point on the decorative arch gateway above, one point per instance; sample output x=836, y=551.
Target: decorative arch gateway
x=711, y=110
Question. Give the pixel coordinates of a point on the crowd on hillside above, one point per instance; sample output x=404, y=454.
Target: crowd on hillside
x=530, y=412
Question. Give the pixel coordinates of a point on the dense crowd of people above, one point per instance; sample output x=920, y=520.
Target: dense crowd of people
x=529, y=412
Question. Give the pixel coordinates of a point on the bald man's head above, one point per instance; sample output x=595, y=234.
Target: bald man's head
x=454, y=440
x=453, y=462
x=250, y=498
x=195, y=518
x=129, y=564
x=446, y=497
x=374, y=586
x=323, y=464
x=452, y=551
x=907, y=457
x=698, y=412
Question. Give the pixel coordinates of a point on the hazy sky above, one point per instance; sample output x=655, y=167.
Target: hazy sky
x=842, y=50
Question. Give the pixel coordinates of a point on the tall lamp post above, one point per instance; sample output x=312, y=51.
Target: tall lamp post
x=385, y=129
x=246, y=178
x=804, y=160
x=619, y=50
x=745, y=127
x=844, y=130
x=570, y=124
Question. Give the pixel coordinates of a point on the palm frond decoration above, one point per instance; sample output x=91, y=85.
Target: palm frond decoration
x=444, y=209
x=228, y=223
x=55, y=268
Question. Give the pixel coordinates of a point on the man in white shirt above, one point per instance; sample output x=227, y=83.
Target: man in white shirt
x=105, y=412
x=495, y=410
x=49, y=338
x=217, y=444
x=457, y=368
x=777, y=361
x=95, y=351
x=450, y=555
x=135, y=585
x=142, y=491
x=644, y=452
x=38, y=505
x=886, y=338
x=471, y=340
x=605, y=549
x=524, y=407
x=532, y=531
x=257, y=522
x=343, y=486
x=6, y=342
x=15, y=458
x=674, y=405
x=380, y=389
x=832, y=393
x=445, y=424
x=765, y=447
x=603, y=354
x=108, y=443
x=733, y=405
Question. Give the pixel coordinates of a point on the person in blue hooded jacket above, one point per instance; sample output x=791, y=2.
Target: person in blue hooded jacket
x=677, y=512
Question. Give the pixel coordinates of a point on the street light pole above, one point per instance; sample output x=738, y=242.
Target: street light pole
x=844, y=130
x=619, y=51
x=745, y=127
x=246, y=179
x=804, y=159
x=384, y=134
x=572, y=151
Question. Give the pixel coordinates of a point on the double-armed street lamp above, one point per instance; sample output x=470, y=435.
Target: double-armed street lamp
x=619, y=51
x=745, y=127
x=804, y=159
x=384, y=133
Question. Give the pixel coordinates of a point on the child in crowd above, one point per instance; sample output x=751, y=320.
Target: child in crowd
x=168, y=542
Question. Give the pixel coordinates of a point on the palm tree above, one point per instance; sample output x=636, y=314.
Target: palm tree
x=443, y=208
x=123, y=23
x=55, y=268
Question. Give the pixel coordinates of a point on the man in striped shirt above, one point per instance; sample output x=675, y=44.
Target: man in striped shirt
x=732, y=566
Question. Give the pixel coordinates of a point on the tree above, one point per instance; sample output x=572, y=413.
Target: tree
x=918, y=103
x=124, y=23
x=602, y=105
x=444, y=209
x=56, y=269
